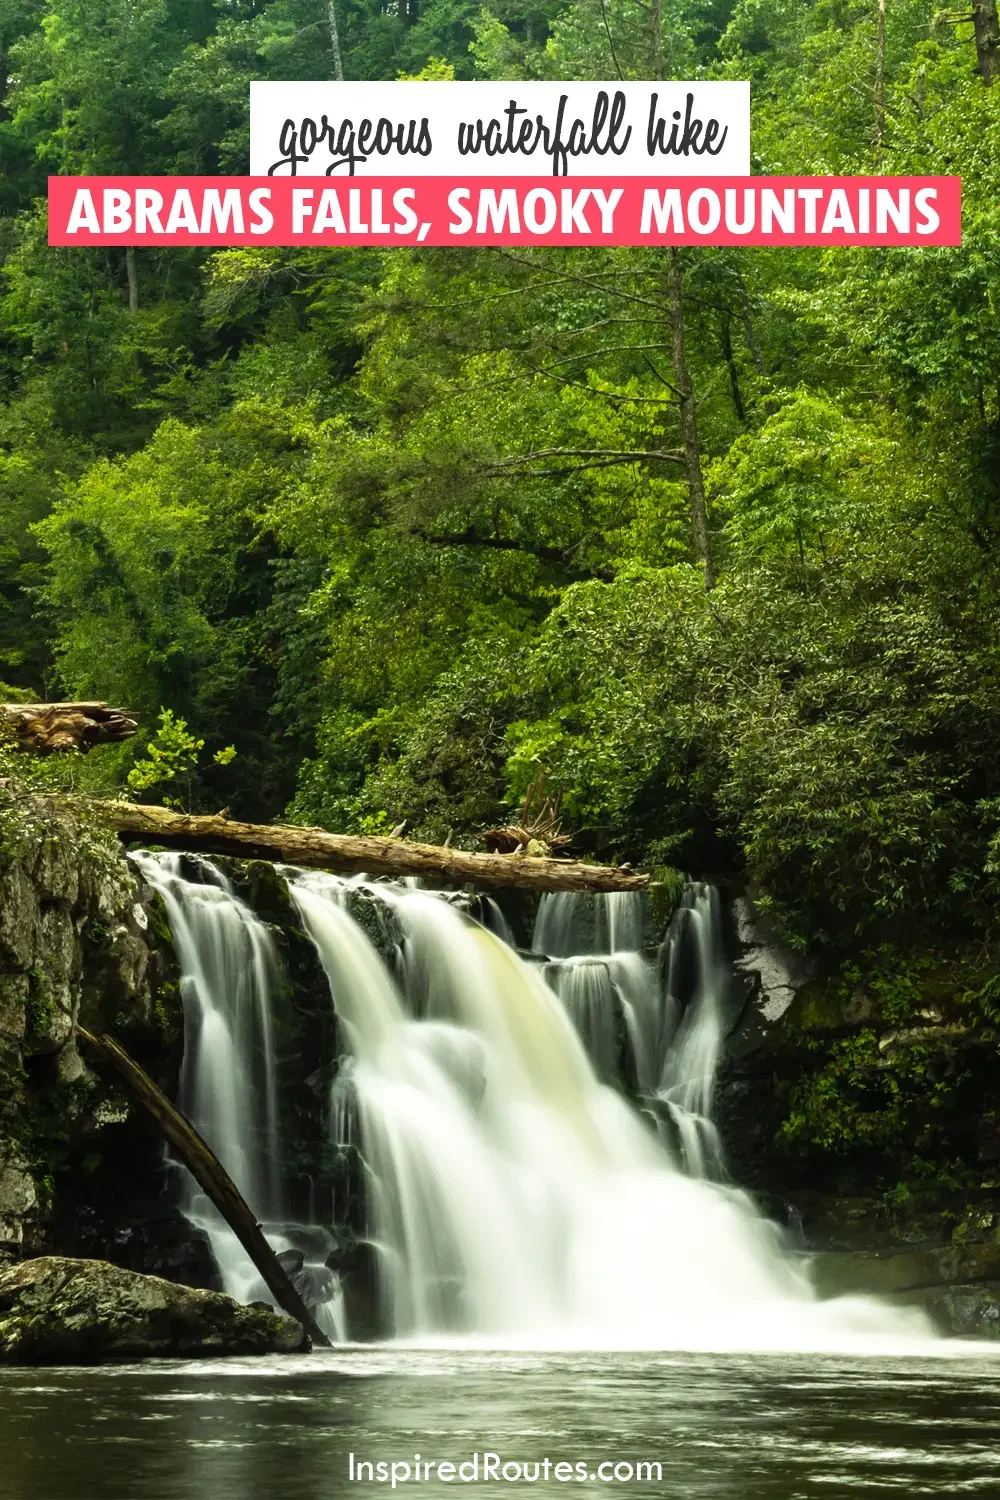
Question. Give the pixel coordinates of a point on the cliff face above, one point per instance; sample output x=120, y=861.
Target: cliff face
x=81, y=938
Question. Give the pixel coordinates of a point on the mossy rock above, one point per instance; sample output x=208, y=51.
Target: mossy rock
x=56, y=1310
x=265, y=891
x=665, y=888
x=821, y=1006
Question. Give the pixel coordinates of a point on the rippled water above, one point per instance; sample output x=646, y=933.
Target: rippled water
x=722, y=1426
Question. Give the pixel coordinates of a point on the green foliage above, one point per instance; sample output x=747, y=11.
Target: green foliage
x=172, y=754
x=984, y=999
x=862, y=1099
x=896, y=981
x=404, y=528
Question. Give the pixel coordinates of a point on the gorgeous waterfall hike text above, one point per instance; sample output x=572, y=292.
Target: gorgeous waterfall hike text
x=526, y=128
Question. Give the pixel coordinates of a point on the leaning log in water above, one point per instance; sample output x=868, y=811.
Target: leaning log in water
x=208, y=1171
x=45, y=728
x=353, y=854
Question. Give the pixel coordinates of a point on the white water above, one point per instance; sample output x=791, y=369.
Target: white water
x=228, y=1087
x=515, y=1199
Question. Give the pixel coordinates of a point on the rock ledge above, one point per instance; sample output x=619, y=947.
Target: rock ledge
x=55, y=1310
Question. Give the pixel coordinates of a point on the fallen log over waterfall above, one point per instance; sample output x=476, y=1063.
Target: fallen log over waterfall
x=45, y=728
x=354, y=854
x=208, y=1171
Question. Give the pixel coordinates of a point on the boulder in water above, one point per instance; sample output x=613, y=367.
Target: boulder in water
x=362, y=1278
x=55, y=1310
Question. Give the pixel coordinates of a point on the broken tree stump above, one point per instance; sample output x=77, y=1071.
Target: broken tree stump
x=47, y=728
x=208, y=1171
x=355, y=854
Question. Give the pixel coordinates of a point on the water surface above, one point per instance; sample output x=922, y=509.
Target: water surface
x=723, y=1427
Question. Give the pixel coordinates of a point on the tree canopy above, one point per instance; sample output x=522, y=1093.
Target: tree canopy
x=710, y=536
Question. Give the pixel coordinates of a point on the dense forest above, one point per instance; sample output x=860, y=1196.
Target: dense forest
x=710, y=536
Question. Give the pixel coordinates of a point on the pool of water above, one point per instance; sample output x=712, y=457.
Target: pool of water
x=729, y=1427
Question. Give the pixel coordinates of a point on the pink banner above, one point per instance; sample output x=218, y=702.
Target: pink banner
x=505, y=211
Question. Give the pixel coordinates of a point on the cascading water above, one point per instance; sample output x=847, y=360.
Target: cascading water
x=514, y=1198
x=228, y=975
x=228, y=1087
x=653, y=1028
x=514, y=1194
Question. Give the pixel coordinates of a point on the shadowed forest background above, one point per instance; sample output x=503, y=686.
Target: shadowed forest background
x=404, y=528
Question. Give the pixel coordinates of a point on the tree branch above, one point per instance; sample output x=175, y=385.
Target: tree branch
x=561, y=556
x=596, y=458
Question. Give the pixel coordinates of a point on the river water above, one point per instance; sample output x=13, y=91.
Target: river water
x=723, y=1427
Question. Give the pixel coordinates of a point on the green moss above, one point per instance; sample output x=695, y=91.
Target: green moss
x=819, y=1006
x=266, y=893
x=665, y=887
x=168, y=1016
x=159, y=922
x=41, y=1009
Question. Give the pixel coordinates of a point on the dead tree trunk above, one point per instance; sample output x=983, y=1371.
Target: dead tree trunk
x=338, y=62
x=43, y=728
x=355, y=854
x=880, y=78
x=208, y=1171
x=689, y=421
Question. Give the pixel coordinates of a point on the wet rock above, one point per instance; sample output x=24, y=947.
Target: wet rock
x=780, y=972
x=376, y=919
x=18, y=1197
x=359, y=1266
x=60, y=1311
x=18, y=917
x=13, y=1005
x=958, y=1286
x=886, y=1272
x=968, y=1311
x=54, y=871
x=76, y=942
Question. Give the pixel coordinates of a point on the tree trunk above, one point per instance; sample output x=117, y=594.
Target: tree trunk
x=208, y=1171
x=726, y=339
x=354, y=854
x=338, y=62
x=749, y=328
x=42, y=728
x=133, y=279
x=880, y=78
x=656, y=28
x=987, y=26
x=689, y=422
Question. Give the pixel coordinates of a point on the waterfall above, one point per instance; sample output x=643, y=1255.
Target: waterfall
x=651, y=1026
x=514, y=1193
x=229, y=1075
x=516, y=1198
x=228, y=976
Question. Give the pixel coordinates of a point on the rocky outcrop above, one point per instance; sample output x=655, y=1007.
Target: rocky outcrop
x=83, y=939
x=958, y=1285
x=60, y=1311
x=73, y=929
x=778, y=971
